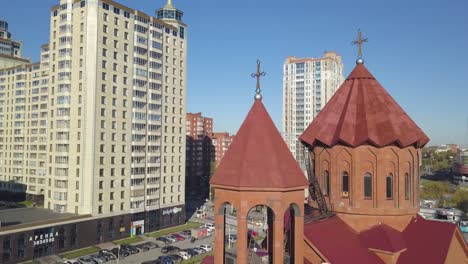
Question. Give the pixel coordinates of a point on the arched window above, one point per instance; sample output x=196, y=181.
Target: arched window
x=367, y=185
x=389, y=183
x=345, y=183
x=326, y=182
x=407, y=186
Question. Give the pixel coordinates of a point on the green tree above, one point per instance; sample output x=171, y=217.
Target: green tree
x=460, y=199
x=435, y=190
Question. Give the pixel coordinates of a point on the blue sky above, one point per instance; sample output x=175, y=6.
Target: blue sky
x=417, y=50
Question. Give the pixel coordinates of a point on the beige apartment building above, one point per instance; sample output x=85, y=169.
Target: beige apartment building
x=23, y=127
x=111, y=139
x=308, y=84
x=10, y=49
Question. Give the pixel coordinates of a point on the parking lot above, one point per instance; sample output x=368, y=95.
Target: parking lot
x=153, y=254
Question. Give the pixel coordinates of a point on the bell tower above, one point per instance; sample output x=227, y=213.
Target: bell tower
x=258, y=169
x=366, y=152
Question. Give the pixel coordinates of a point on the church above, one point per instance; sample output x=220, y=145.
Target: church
x=364, y=156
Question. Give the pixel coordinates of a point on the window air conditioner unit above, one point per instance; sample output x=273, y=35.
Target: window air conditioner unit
x=345, y=194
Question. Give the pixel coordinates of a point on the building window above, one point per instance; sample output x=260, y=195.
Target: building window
x=326, y=182
x=345, y=184
x=389, y=186
x=367, y=186
x=407, y=186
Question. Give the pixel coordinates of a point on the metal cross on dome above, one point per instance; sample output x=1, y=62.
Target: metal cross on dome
x=258, y=75
x=359, y=42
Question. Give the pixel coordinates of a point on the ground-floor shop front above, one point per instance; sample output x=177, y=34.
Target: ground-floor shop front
x=31, y=241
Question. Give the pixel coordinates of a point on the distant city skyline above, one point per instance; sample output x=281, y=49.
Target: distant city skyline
x=415, y=49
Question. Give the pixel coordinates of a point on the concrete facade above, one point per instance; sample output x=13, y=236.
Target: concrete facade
x=107, y=110
x=308, y=84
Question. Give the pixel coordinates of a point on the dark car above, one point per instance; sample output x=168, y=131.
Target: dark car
x=151, y=245
x=164, y=240
x=130, y=249
x=191, y=252
x=142, y=247
x=107, y=253
x=120, y=252
x=176, y=258
x=164, y=260
x=169, y=249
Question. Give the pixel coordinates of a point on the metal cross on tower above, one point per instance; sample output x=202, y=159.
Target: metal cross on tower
x=359, y=42
x=258, y=75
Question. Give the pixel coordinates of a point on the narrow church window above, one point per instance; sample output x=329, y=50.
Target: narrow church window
x=389, y=186
x=367, y=186
x=345, y=185
x=407, y=186
x=326, y=182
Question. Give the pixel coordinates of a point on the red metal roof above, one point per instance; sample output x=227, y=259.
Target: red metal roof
x=362, y=112
x=383, y=237
x=338, y=242
x=258, y=156
x=427, y=241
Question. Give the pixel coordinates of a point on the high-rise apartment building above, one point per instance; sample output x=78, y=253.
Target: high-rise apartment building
x=200, y=154
x=308, y=84
x=221, y=142
x=98, y=127
x=10, y=49
x=23, y=128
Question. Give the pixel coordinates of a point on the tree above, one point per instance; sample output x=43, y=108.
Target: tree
x=435, y=190
x=460, y=199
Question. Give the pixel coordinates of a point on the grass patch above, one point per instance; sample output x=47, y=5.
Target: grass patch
x=188, y=225
x=197, y=259
x=80, y=252
x=26, y=203
x=127, y=241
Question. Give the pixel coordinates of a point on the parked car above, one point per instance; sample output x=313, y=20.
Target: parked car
x=184, y=254
x=164, y=260
x=99, y=258
x=71, y=261
x=87, y=260
x=191, y=252
x=169, y=249
x=130, y=249
x=164, y=240
x=120, y=252
x=199, y=250
x=176, y=258
x=151, y=245
x=178, y=237
x=108, y=254
x=142, y=247
x=210, y=226
x=207, y=248
x=171, y=238
x=187, y=232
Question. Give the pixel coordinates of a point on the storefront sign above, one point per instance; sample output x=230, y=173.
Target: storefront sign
x=174, y=210
x=43, y=238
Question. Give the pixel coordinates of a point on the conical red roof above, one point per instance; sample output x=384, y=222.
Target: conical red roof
x=258, y=157
x=361, y=112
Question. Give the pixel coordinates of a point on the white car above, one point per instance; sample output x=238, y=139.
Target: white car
x=206, y=247
x=210, y=226
x=184, y=255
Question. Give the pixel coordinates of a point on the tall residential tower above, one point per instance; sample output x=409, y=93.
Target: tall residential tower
x=98, y=127
x=308, y=84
